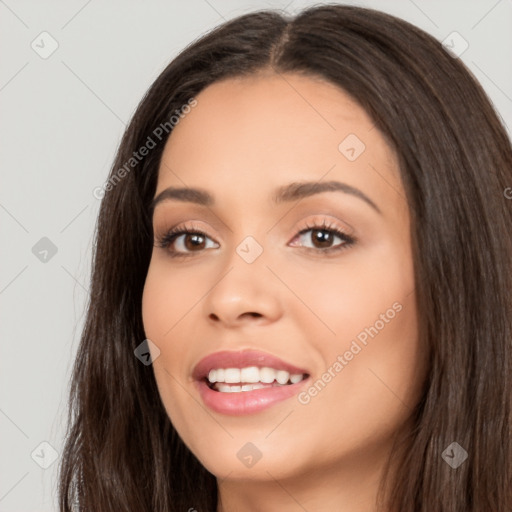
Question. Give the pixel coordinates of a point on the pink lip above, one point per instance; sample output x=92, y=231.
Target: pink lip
x=245, y=402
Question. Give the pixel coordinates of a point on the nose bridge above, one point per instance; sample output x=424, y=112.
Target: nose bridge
x=244, y=285
x=249, y=249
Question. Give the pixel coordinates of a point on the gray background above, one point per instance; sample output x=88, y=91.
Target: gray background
x=62, y=118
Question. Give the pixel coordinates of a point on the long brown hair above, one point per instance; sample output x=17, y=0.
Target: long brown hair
x=121, y=451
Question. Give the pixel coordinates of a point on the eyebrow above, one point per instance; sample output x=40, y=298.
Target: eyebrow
x=286, y=193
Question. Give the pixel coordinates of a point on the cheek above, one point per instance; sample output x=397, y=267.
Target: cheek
x=364, y=311
x=348, y=294
x=154, y=303
x=165, y=304
x=373, y=364
x=167, y=297
x=160, y=314
x=376, y=383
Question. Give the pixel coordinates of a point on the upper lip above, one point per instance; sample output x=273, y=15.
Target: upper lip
x=242, y=359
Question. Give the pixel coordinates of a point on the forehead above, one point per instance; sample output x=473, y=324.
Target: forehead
x=267, y=129
x=293, y=107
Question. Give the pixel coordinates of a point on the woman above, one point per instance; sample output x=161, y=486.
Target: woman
x=301, y=284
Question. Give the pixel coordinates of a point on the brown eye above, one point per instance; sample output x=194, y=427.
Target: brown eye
x=193, y=241
x=322, y=238
x=181, y=242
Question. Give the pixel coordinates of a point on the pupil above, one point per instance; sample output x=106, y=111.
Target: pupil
x=196, y=241
x=323, y=237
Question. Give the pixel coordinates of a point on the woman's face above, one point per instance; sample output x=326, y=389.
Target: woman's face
x=335, y=302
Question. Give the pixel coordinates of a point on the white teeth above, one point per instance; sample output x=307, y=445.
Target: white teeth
x=232, y=375
x=251, y=375
x=296, y=378
x=226, y=388
x=282, y=377
x=267, y=375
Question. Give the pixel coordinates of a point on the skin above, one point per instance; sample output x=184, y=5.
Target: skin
x=245, y=138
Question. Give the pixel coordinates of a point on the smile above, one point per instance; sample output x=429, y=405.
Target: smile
x=234, y=380
x=246, y=382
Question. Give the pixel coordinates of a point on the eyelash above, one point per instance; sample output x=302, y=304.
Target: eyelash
x=170, y=236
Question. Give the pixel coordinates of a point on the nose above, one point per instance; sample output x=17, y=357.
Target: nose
x=244, y=293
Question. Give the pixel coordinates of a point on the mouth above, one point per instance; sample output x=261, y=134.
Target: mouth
x=240, y=380
x=246, y=382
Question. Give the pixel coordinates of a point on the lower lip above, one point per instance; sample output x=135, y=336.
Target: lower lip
x=246, y=402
